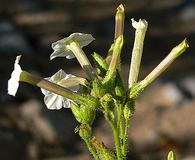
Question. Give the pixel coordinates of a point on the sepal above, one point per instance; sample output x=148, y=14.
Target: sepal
x=119, y=88
x=101, y=64
x=98, y=88
x=129, y=109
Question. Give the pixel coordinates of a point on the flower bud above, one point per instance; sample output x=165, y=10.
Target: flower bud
x=107, y=103
x=85, y=131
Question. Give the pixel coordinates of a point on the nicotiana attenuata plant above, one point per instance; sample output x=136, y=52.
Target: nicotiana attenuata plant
x=102, y=90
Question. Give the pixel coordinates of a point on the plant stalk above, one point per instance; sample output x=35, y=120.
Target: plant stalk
x=91, y=149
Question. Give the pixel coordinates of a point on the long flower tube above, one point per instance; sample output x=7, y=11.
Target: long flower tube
x=18, y=75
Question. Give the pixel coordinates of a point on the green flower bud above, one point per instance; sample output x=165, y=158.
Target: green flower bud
x=107, y=103
x=85, y=113
x=85, y=131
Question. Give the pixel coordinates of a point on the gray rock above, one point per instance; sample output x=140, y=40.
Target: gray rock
x=189, y=84
x=178, y=124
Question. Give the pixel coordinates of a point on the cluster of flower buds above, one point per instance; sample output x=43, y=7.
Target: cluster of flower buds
x=102, y=89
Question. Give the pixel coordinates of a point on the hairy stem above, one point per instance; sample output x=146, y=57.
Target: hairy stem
x=125, y=138
x=91, y=149
x=117, y=142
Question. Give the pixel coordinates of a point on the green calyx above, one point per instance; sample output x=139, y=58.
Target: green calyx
x=120, y=92
x=85, y=131
x=83, y=114
x=86, y=111
x=100, y=64
x=129, y=109
x=107, y=102
x=135, y=91
x=98, y=88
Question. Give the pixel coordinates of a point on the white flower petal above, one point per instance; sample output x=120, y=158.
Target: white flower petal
x=62, y=53
x=66, y=103
x=54, y=101
x=82, y=39
x=60, y=47
x=139, y=25
x=58, y=76
x=13, y=82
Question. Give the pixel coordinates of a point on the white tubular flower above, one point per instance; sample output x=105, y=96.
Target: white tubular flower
x=71, y=47
x=54, y=101
x=61, y=48
x=13, y=82
x=141, y=27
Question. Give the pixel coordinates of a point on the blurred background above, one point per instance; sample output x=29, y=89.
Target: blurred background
x=165, y=114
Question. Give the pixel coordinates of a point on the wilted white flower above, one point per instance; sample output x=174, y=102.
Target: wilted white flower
x=60, y=47
x=54, y=101
x=13, y=82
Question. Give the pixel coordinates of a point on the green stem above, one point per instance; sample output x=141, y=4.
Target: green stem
x=117, y=142
x=125, y=138
x=91, y=149
x=119, y=115
x=120, y=123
